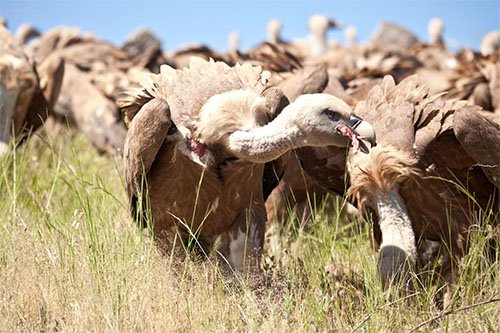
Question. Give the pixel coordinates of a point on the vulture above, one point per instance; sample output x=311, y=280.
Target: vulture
x=28, y=90
x=318, y=27
x=233, y=42
x=433, y=175
x=315, y=44
x=351, y=36
x=95, y=73
x=274, y=31
x=26, y=32
x=435, y=29
x=203, y=150
x=144, y=50
x=393, y=36
x=490, y=43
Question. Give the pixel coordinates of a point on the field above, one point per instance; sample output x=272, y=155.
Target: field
x=72, y=260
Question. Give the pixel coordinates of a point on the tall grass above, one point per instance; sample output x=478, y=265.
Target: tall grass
x=71, y=259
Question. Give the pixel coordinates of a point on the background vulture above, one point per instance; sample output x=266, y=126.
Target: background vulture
x=95, y=72
x=28, y=89
x=433, y=175
x=202, y=137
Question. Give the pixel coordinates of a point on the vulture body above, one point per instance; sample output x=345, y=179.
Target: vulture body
x=144, y=50
x=393, y=36
x=28, y=90
x=432, y=176
x=199, y=147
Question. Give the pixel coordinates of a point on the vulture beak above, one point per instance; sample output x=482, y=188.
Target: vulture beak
x=335, y=24
x=364, y=131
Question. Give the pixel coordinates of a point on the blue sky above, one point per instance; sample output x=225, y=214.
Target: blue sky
x=189, y=21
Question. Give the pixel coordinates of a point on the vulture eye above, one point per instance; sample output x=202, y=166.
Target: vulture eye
x=333, y=115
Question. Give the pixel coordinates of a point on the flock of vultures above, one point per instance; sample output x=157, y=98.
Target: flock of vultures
x=214, y=144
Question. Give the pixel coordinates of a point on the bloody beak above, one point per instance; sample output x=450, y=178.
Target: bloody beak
x=358, y=131
x=364, y=129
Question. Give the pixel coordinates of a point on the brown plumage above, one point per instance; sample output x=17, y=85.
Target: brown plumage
x=144, y=50
x=28, y=90
x=430, y=153
x=96, y=72
x=203, y=136
x=477, y=79
x=181, y=57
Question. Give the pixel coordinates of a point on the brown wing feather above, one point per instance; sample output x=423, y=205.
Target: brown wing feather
x=144, y=139
x=377, y=109
x=480, y=137
x=308, y=80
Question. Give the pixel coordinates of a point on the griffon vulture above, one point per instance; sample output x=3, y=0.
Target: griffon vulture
x=95, y=73
x=197, y=147
x=28, y=90
x=433, y=174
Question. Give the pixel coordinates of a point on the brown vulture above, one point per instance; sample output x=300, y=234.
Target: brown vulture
x=199, y=146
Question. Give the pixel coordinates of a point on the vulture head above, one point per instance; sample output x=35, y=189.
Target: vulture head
x=273, y=31
x=25, y=32
x=490, y=44
x=318, y=26
x=435, y=29
x=351, y=36
x=311, y=120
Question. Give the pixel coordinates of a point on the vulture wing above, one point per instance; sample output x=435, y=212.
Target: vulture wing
x=479, y=134
x=145, y=136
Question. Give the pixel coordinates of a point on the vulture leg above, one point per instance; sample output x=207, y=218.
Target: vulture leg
x=144, y=138
x=242, y=244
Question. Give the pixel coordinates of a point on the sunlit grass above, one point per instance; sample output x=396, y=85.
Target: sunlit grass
x=71, y=259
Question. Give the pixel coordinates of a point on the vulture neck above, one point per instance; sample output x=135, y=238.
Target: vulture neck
x=318, y=44
x=395, y=223
x=267, y=143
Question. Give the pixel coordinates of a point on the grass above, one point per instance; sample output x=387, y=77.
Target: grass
x=71, y=259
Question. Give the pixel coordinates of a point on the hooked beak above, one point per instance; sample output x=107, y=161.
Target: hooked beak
x=358, y=131
x=363, y=128
x=335, y=24
x=365, y=132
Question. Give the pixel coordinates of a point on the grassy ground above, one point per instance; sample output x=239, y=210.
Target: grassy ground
x=71, y=259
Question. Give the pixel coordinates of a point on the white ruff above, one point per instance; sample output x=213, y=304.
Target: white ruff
x=395, y=223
